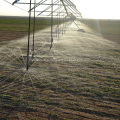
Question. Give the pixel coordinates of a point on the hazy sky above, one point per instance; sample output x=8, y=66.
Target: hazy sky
x=104, y=9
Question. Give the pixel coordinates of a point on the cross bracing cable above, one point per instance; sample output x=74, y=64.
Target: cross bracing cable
x=48, y=8
x=61, y=11
x=68, y=14
x=15, y=2
x=71, y=7
x=64, y=7
x=15, y=6
x=68, y=2
x=56, y=10
x=75, y=9
x=47, y=11
x=73, y=12
x=41, y=2
x=71, y=3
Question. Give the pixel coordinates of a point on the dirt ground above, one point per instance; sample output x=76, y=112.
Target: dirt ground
x=78, y=79
x=11, y=35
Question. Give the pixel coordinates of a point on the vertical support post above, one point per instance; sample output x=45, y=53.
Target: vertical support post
x=27, y=66
x=51, y=24
x=34, y=31
x=62, y=21
x=60, y=17
x=59, y=22
x=57, y=25
x=63, y=24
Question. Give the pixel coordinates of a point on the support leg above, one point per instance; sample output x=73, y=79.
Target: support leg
x=27, y=66
x=33, y=31
x=51, y=24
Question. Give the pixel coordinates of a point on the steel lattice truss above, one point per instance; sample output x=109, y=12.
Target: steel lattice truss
x=63, y=10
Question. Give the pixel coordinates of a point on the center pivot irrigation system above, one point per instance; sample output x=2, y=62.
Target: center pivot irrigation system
x=62, y=10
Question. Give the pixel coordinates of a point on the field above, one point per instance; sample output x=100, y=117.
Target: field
x=106, y=28
x=78, y=79
x=16, y=27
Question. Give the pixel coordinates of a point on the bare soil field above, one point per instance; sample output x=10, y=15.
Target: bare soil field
x=78, y=79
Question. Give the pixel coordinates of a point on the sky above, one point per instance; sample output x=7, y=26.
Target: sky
x=96, y=9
